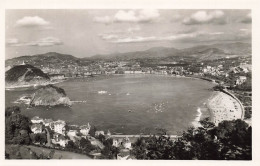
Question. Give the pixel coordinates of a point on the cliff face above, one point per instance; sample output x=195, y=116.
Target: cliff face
x=50, y=96
x=25, y=75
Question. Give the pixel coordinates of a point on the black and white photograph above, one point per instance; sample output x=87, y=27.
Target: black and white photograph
x=128, y=84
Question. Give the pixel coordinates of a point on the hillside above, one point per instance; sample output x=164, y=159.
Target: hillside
x=201, y=52
x=45, y=59
x=24, y=75
x=50, y=95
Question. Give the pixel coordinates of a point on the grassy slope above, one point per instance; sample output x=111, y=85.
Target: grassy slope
x=38, y=150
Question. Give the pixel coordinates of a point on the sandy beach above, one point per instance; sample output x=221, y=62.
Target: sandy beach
x=223, y=107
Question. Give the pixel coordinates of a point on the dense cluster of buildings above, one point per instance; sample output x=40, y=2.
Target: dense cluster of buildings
x=217, y=68
x=59, y=133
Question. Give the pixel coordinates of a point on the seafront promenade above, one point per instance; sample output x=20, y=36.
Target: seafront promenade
x=133, y=138
x=241, y=105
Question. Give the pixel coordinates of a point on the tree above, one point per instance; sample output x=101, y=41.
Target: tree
x=92, y=131
x=235, y=139
x=206, y=123
x=17, y=126
x=109, y=150
x=71, y=145
x=86, y=145
x=154, y=147
x=10, y=110
x=230, y=140
x=101, y=138
x=140, y=148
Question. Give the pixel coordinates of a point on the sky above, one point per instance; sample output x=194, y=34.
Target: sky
x=84, y=33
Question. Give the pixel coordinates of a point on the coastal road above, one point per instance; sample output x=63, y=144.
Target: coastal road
x=48, y=138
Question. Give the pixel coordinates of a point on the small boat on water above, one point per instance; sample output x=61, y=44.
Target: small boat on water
x=102, y=92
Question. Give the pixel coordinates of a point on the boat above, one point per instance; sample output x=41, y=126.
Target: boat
x=102, y=92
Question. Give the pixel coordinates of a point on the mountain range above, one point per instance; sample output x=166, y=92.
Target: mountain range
x=201, y=52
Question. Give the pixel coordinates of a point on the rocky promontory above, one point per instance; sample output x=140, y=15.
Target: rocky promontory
x=50, y=95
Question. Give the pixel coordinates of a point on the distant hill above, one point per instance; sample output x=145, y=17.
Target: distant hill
x=44, y=59
x=25, y=74
x=201, y=52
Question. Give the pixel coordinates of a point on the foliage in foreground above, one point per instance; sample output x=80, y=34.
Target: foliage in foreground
x=230, y=140
x=17, y=127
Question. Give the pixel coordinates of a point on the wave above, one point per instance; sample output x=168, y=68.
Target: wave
x=196, y=122
x=26, y=99
x=84, y=101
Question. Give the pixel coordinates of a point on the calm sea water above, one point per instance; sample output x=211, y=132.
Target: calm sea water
x=133, y=104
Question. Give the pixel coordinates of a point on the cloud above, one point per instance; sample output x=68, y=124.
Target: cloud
x=216, y=33
x=48, y=41
x=105, y=19
x=12, y=41
x=203, y=17
x=247, y=19
x=136, y=16
x=108, y=36
x=133, y=29
x=244, y=30
x=31, y=21
x=199, y=36
x=135, y=39
x=146, y=15
x=138, y=39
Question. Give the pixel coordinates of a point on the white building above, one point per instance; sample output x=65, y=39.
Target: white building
x=241, y=80
x=124, y=155
x=36, y=128
x=59, y=126
x=97, y=133
x=126, y=143
x=72, y=134
x=138, y=72
x=36, y=119
x=59, y=139
x=85, y=129
x=116, y=143
x=47, y=122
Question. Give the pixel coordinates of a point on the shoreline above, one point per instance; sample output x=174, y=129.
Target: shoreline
x=99, y=77
x=217, y=114
x=32, y=85
x=223, y=107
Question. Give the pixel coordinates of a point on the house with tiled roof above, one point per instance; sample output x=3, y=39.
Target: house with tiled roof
x=72, y=134
x=59, y=139
x=124, y=155
x=84, y=129
x=36, y=128
x=126, y=143
x=47, y=122
x=97, y=133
